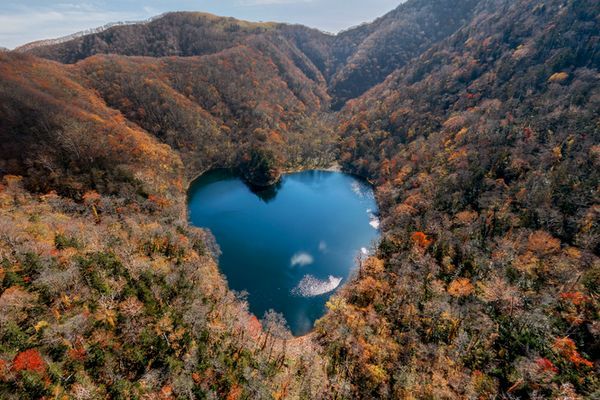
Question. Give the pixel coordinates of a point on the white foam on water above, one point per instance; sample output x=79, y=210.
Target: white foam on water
x=374, y=221
x=356, y=188
x=301, y=259
x=310, y=286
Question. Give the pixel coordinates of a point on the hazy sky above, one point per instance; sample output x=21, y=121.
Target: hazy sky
x=23, y=21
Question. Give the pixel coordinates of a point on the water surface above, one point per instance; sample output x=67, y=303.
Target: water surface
x=290, y=246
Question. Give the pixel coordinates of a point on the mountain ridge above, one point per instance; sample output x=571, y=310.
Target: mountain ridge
x=353, y=47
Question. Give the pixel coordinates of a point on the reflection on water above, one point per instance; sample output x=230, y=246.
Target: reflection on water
x=266, y=194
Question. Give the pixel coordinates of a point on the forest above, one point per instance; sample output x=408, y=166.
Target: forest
x=477, y=121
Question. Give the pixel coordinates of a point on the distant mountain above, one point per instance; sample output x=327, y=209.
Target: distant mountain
x=350, y=62
x=182, y=34
x=371, y=52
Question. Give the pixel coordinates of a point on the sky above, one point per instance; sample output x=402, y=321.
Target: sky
x=23, y=21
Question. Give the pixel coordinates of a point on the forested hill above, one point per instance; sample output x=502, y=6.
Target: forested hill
x=350, y=62
x=485, y=153
x=477, y=121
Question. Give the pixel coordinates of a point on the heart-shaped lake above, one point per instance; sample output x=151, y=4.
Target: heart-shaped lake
x=289, y=246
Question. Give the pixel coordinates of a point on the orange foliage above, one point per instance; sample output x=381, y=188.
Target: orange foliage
x=543, y=243
x=235, y=393
x=576, y=298
x=3, y=370
x=421, y=239
x=404, y=209
x=460, y=287
x=29, y=360
x=558, y=77
x=160, y=202
x=196, y=377
x=466, y=217
x=254, y=326
x=275, y=137
x=566, y=348
x=166, y=393
x=77, y=354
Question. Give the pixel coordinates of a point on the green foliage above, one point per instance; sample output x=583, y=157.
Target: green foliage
x=62, y=242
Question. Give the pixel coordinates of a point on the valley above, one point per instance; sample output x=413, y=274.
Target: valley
x=477, y=122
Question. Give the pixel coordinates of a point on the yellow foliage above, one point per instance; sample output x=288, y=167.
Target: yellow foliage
x=558, y=77
x=526, y=263
x=108, y=316
x=336, y=303
x=573, y=252
x=374, y=265
x=557, y=152
x=41, y=325
x=458, y=155
x=376, y=374
x=460, y=134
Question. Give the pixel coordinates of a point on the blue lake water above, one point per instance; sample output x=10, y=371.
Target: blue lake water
x=289, y=246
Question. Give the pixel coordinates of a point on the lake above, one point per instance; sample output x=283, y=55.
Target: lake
x=289, y=246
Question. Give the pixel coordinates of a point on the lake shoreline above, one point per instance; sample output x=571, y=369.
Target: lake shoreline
x=333, y=167
x=328, y=215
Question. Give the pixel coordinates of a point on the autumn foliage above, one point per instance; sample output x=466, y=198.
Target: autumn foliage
x=476, y=121
x=567, y=349
x=29, y=360
x=421, y=239
x=460, y=287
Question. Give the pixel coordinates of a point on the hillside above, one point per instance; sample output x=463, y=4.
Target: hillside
x=105, y=289
x=477, y=121
x=348, y=63
x=485, y=153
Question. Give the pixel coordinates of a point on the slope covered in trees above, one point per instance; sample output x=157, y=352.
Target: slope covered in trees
x=348, y=63
x=105, y=291
x=485, y=154
x=477, y=121
x=63, y=137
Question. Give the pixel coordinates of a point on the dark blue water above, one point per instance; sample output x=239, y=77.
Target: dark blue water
x=289, y=246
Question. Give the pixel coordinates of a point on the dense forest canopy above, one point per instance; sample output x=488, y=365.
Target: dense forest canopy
x=478, y=122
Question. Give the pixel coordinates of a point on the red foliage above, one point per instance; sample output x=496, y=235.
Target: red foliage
x=546, y=365
x=29, y=360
